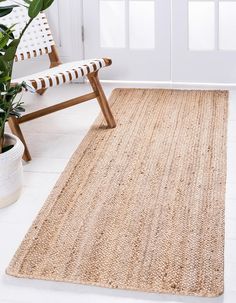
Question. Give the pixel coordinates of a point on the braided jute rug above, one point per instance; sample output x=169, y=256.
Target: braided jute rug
x=139, y=207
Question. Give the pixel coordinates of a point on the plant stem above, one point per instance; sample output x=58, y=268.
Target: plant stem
x=25, y=28
x=1, y=142
x=21, y=35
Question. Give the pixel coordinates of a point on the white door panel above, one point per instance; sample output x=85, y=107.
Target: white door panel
x=204, y=41
x=65, y=18
x=135, y=34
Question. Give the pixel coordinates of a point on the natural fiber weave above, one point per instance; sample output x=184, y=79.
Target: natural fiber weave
x=141, y=206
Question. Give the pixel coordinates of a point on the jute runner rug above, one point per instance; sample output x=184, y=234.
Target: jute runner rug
x=140, y=207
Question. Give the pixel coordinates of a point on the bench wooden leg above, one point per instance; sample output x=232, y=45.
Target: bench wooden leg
x=97, y=88
x=97, y=93
x=15, y=128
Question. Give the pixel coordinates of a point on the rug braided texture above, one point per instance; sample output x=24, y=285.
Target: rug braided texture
x=139, y=207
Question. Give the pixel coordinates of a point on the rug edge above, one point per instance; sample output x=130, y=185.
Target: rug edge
x=219, y=293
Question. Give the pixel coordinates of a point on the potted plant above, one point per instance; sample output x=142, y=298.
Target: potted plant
x=11, y=148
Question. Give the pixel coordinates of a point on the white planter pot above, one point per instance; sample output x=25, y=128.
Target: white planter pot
x=11, y=171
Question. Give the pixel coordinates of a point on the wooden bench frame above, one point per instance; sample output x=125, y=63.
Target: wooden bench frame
x=97, y=93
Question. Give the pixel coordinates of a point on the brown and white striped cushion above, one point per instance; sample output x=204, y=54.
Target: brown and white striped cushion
x=63, y=73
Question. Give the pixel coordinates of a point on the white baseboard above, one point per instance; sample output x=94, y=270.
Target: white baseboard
x=170, y=84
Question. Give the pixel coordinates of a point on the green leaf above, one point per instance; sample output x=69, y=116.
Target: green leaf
x=6, y=10
x=7, y=31
x=47, y=3
x=8, y=6
x=3, y=40
x=36, y=6
x=5, y=79
x=3, y=67
x=11, y=50
x=10, y=54
x=27, y=1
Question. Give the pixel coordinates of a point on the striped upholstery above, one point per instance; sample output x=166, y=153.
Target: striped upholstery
x=63, y=73
x=37, y=40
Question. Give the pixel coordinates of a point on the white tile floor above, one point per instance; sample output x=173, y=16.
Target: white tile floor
x=52, y=141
